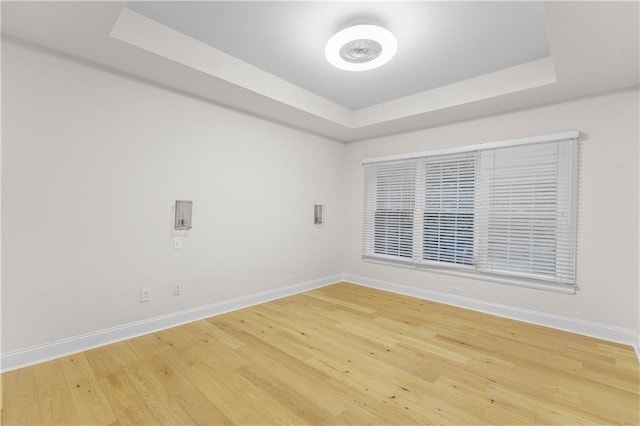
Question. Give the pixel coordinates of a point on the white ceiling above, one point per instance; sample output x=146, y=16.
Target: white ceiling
x=439, y=43
x=456, y=60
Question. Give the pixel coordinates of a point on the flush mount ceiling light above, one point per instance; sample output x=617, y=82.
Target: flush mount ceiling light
x=361, y=48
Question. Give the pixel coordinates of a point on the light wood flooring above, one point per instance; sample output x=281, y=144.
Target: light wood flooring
x=343, y=354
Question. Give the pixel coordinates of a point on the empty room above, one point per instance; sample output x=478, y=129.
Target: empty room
x=260, y=213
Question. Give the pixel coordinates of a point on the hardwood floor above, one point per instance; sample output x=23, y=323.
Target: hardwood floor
x=342, y=354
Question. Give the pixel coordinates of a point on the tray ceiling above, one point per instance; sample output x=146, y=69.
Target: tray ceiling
x=456, y=60
x=439, y=42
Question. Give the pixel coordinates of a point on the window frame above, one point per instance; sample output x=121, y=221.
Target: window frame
x=473, y=271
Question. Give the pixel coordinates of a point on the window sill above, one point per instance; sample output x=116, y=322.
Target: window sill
x=519, y=282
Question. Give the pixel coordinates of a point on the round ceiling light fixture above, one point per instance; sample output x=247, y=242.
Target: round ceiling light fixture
x=361, y=48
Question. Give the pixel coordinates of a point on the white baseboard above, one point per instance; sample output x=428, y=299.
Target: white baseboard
x=59, y=348
x=586, y=328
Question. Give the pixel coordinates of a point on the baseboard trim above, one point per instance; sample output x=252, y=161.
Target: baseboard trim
x=59, y=348
x=585, y=328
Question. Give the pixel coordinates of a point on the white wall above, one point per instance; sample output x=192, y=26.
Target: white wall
x=608, y=219
x=92, y=163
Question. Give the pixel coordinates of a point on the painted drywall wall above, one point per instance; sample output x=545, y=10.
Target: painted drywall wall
x=92, y=163
x=608, y=219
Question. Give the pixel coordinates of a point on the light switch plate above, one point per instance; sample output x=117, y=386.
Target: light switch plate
x=177, y=243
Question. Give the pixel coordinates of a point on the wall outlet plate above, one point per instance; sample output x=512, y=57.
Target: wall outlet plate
x=177, y=290
x=145, y=295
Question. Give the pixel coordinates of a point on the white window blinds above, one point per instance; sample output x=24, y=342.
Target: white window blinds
x=390, y=201
x=448, y=209
x=525, y=204
x=499, y=211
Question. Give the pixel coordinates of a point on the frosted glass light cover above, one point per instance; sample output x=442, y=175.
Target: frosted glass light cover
x=361, y=48
x=184, y=217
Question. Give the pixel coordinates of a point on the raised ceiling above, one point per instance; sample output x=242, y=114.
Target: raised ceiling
x=456, y=60
x=439, y=43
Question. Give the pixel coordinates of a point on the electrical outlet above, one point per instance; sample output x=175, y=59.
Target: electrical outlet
x=454, y=289
x=177, y=290
x=145, y=295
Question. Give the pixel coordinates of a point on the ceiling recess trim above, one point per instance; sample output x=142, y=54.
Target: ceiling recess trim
x=145, y=33
x=509, y=80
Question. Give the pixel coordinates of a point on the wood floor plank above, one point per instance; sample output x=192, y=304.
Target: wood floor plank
x=201, y=409
x=54, y=396
x=219, y=335
x=90, y=403
x=155, y=395
x=341, y=354
x=477, y=401
x=148, y=346
x=548, y=411
x=127, y=404
x=111, y=359
x=236, y=397
x=301, y=405
x=20, y=404
x=170, y=377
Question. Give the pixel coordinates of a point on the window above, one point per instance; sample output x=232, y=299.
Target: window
x=394, y=205
x=503, y=211
x=448, y=212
